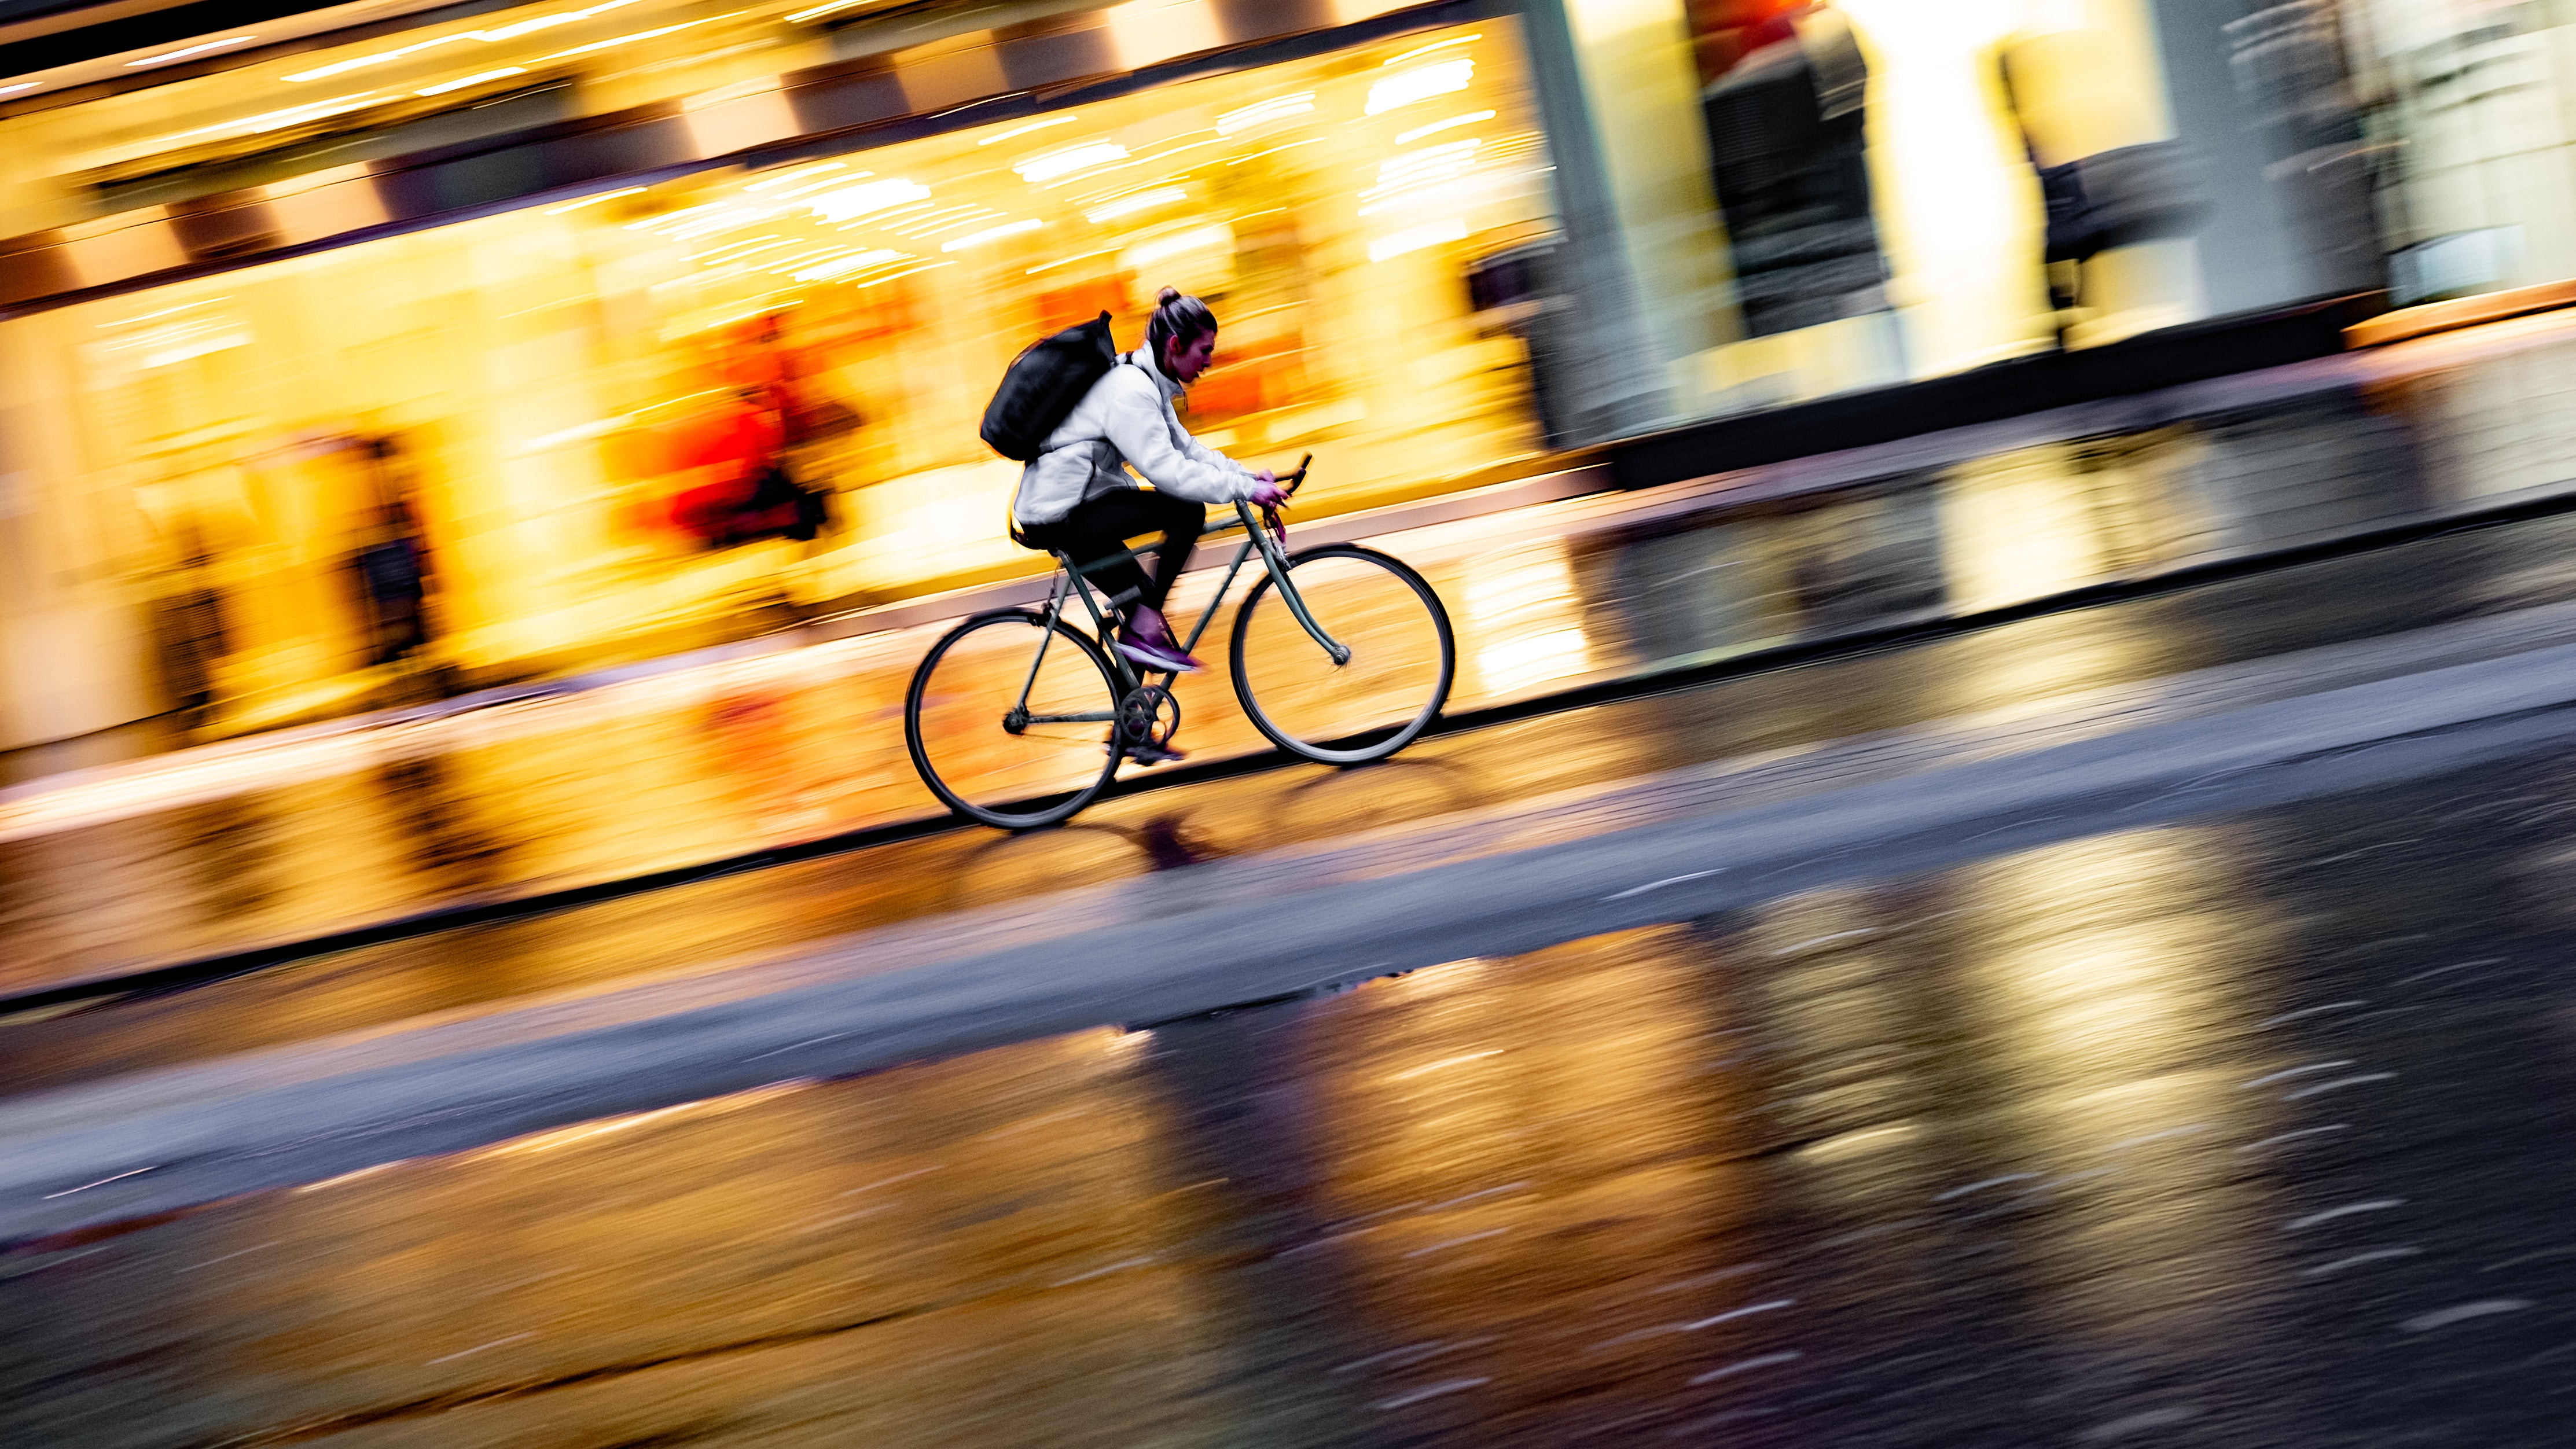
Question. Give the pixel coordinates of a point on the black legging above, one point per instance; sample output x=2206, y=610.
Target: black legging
x=1101, y=526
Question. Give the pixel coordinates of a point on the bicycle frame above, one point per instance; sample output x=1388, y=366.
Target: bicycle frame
x=1072, y=579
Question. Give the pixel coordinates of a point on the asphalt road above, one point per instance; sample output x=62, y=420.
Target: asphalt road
x=2248, y=1130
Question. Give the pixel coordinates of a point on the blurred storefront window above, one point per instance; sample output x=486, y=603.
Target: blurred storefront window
x=2472, y=108
x=603, y=424
x=593, y=411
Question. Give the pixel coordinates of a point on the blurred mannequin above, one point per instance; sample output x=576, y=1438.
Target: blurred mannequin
x=2082, y=79
x=1785, y=104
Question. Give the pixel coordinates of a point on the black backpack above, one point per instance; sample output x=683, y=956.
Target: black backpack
x=1044, y=385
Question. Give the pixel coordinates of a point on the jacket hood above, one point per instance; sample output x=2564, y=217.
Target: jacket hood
x=1144, y=358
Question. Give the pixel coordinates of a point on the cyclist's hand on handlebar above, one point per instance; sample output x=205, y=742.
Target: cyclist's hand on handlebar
x=1266, y=492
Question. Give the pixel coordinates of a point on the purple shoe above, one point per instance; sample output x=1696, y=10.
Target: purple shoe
x=1158, y=654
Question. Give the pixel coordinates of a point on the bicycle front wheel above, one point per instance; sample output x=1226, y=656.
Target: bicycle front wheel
x=1010, y=721
x=1401, y=656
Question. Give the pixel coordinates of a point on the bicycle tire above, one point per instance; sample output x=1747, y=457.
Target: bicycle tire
x=1373, y=621
x=988, y=675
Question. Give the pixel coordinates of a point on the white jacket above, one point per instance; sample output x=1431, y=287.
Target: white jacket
x=1125, y=420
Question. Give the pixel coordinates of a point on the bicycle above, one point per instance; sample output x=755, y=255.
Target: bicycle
x=1340, y=654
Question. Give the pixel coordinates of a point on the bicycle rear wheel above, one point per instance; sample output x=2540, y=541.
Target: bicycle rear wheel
x=1402, y=656
x=993, y=754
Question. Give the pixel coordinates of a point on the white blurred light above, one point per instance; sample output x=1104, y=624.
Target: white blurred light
x=1164, y=248
x=576, y=433
x=272, y=120
x=167, y=56
x=1414, y=239
x=668, y=217
x=1274, y=109
x=505, y=32
x=797, y=173
x=716, y=221
x=1467, y=119
x=443, y=87
x=1024, y=130
x=1065, y=163
x=1130, y=205
x=617, y=40
x=807, y=188
x=1420, y=85
x=858, y=262
x=593, y=200
x=992, y=233
x=1431, y=163
x=866, y=198
x=1427, y=49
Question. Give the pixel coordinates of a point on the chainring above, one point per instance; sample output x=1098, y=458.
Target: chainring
x=1148, y=716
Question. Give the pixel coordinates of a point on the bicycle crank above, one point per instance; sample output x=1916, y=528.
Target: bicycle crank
x=1148, y=716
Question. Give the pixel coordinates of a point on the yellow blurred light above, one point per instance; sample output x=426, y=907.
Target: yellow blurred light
x=906, y=212
x=1427, y=49
x=1130, y=205
x=183, y=52
x=1065, y=163
x=723, y=220
x=778, y=265
x=1259, y=112
x=798, y=173
x=819, y=11
x=1466, y=189
x=1445, y=78
x=343, y=67
x=1468, y=118
x=808, y=187
x=443, y=87
x=1428, y=166
x=736, y=250
x=1068, y=261
x=576, y=433
x=930, y=221
x=616, y=40
x=666, y=218
x=1024, y=130
x=1414, y=239
x=992, y=233
x=593, y=200
x=1275, y=150
x=899, y=276
x=164, y=312
x=861, y=200
x=272, y=120
x=1164, y=248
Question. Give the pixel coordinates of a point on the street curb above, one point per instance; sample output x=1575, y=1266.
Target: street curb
x=1171, y=963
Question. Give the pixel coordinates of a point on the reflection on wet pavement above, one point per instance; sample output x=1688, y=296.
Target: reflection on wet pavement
x=2236, y=1133
x=289, y=841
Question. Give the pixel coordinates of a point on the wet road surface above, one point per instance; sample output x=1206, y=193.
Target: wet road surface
x=779, y=912
x=280, y=844
x=2248, y=1131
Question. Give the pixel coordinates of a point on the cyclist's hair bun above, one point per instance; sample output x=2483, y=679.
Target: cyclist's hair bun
x=1177, y=315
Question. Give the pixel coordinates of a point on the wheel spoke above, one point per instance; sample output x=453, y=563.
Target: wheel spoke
x=1392, y=682
x=957, y=721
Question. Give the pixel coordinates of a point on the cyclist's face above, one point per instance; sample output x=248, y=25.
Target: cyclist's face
x=1187, y=360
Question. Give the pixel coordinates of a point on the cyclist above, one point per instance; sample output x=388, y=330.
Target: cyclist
x=1077, y=496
